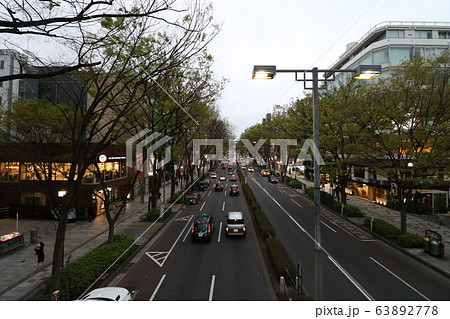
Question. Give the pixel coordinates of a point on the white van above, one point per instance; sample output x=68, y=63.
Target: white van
x=235, y=224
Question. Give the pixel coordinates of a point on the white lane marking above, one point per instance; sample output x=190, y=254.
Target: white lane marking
x=211, y=289
x=414, y=289
x=220, y=232
x=201, y=208
x=224, y=193
x=296, y=203
x=352, y=280
x=328, y=226
x=223, y=206
x=356, y=284
x=209, y=193
x=187, y=233
x=160, y=262
x=157, y=288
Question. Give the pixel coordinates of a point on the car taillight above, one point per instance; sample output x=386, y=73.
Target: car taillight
x=209, y=228
x=230, y=189
x=226, y=229
x=244, y=229
x=192, y=229
x=238, y=189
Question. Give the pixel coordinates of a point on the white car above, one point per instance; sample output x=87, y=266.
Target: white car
x=108, y=294
x=213, y=175
x=251, y=169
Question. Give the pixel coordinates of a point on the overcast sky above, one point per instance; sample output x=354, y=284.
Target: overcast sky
x=294, y=34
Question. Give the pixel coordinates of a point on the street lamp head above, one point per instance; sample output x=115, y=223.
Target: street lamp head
x=264, y=72
x=367, y=72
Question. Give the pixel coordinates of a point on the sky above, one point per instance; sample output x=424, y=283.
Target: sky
x=293, y=34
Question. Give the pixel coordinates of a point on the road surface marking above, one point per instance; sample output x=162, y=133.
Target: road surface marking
x=414, y=289
x=187, y=233
x=161, y=260
x=157, y=287
x=220, y=232
x=352, y=280
x=296, y=203
x=211, y=289
x=223, y=206
x=202, y=206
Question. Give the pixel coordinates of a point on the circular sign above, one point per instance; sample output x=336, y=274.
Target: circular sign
x=102, y=158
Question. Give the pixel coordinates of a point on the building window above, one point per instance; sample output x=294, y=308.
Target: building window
x=2, y=64
x=33, y=199
x=397, y=34
x=360, y=172
x=444, y=35
x=424, y=35
x=381, y=56
x=399, y=55
x=9, y=171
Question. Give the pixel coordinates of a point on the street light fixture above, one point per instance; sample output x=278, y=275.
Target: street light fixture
x=363, y=72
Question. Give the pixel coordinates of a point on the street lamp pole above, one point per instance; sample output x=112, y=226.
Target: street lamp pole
x=318, y=273
x=361, y=72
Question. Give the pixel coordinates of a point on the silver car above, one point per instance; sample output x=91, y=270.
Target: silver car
x=235, y=224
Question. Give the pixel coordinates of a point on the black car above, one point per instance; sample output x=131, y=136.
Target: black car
x=273, y=179
x=203, y=227
x=233, y=178
x=234, y=190
x=202, y=186
x=218, y=187
x=192, y=199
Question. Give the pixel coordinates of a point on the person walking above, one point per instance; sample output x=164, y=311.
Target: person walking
x=39, y=251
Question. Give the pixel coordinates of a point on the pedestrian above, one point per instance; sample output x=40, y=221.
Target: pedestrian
x=39, y=251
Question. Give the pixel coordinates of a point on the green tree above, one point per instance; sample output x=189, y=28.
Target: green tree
x=404, y=121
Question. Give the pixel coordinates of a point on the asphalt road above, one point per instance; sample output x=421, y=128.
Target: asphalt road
x=173, y=267
x=355, y=265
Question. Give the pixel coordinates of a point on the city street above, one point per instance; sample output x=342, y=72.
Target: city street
x=356, y=266
x=173, y=267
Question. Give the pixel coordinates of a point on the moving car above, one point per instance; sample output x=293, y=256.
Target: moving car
x=233, y=178
x=202, y=186
x=234, y=190
x=213, y=175
x=202, y=227
x=273, y=179
x=251, y=169
x=218, y=187
x=265, y=172
x=222, y=178
x=192, y=199
x=235, y=224
x=108, y=294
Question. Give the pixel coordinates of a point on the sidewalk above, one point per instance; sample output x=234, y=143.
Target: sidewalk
x=415, y=225
x=19, y=279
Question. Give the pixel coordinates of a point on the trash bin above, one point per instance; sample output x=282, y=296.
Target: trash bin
x=434, y=248
x=33, y=236
x=426, y=244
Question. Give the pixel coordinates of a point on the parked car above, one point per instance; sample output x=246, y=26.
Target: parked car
x=233, y=178
x=202, y=227
x=234, y=190
x=273, y=179
x=235, y=224
x=192, y=199
x=218, y=187
x=108, y=294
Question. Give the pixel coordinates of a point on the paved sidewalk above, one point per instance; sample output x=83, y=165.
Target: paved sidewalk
x=415, y=225
x=19, y=279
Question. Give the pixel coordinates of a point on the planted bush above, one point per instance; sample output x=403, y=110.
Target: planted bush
x=409, y=240
x=383, y=228
x=282, y=262
x=294, y=183
x=78, y=276
x=153, y=214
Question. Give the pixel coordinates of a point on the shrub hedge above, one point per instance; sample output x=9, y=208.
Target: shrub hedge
x=329, y=201
x=153, y=214
x=389, y=231
x=409, y=240
x=79, y=275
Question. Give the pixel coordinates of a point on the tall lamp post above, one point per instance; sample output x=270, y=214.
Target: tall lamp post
x=363, y=72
